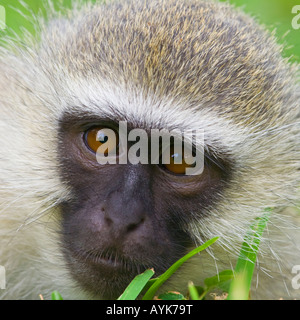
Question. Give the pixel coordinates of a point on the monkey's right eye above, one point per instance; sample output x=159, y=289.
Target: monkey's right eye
x=97, y=137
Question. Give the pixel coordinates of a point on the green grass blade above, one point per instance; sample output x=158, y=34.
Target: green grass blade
x=55, y=295
x=171, y=295
x=166, y=275
x=240, y=285
x=193, y=292
x=136, y=285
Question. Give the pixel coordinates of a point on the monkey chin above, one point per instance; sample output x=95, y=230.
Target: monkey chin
x=105, y=274
x=103, y=278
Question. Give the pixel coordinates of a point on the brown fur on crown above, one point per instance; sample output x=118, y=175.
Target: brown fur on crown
x=199, y=51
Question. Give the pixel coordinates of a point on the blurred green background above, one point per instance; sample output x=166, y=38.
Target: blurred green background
x=275, y=14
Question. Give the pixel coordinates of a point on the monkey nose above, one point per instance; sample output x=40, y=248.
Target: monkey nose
x=121, y=217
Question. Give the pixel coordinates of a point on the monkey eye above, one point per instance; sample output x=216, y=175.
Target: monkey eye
x=177, y=162
x=96, y=137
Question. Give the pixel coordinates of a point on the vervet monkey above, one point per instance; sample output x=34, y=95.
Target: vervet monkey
x=70, y=224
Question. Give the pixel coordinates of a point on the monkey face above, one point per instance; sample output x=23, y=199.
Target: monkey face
x=122, y=218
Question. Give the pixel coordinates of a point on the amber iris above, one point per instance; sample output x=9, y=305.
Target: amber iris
x=96, y=137
x=177, y=168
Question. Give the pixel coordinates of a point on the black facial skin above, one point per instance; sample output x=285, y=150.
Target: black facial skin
x=124, y=219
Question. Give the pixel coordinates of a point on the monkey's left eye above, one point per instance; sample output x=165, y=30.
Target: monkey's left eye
x=97, y=137
x=177, y=162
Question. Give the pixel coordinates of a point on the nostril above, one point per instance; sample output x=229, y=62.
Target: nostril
x=108, y=221
x=133, y=226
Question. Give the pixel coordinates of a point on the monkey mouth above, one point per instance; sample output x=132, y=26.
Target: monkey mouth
x=104, y=273
x=112, y=260
x=108, y=257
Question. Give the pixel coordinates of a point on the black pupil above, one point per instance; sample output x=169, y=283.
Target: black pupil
x=103, y=137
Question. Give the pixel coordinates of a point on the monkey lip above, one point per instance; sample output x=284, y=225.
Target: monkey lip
x=108, y=259
x=104, y=274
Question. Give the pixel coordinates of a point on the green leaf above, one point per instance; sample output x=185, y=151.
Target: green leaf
x=221, y=280
x=193, y=292
x=240, y=285
x=136, y=285
x=171, y=295
x=55, y=295
x=166, y=275
x=149, y=284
